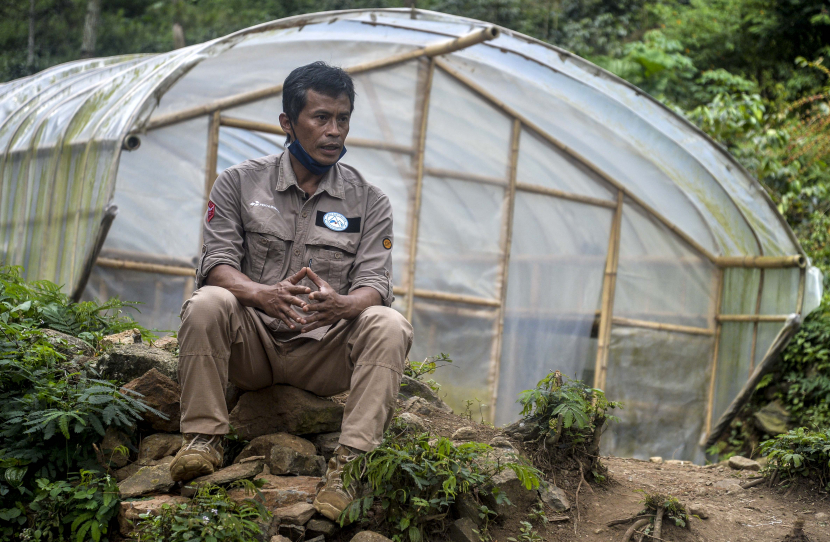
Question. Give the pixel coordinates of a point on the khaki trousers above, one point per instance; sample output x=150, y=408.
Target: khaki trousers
x=221, y=340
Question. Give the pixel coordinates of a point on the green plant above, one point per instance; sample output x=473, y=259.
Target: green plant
x=417, y=480
x=800, y=452
x=537, y=513
x=79, y=509
x=211, y=516
x=417, y=369
x=527, y=534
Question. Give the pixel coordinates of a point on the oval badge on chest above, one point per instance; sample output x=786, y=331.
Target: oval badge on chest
x=335, y=221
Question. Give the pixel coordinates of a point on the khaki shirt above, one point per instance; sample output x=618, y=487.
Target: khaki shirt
x=259, y=223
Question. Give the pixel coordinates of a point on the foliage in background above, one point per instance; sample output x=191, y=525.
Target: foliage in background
x=52, y=409
x=416, y=480
x=800, y=452
x=210, y=515
x=419, y=369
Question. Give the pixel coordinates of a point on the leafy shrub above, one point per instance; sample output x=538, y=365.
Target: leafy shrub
x=417, y=480
x=800, y=452
x=211, y=516
x=673, y=509
x=418, y=369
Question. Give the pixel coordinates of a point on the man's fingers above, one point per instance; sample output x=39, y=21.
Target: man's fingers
x=297, y=289
x=286, y=319
x=297, y=277
x=314, y=278
x=296, y=301
x=318, y=296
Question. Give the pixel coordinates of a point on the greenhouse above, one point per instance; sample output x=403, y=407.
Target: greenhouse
x=548, y=215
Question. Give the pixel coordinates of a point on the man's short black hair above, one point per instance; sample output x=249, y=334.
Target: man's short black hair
x=319, y=77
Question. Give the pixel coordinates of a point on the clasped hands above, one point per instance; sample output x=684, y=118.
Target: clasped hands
x=323, y=308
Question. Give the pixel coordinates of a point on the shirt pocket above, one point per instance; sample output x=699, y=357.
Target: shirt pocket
x=331, y=264
x=264, y=260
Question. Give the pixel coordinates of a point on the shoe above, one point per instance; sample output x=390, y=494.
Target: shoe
x=333, y=498
x=200, y=455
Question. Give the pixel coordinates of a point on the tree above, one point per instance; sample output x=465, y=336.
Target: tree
x=93, y=18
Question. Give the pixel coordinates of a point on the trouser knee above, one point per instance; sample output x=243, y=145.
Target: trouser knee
x=387, y=329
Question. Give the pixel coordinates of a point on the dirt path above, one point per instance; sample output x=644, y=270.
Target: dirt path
x=734, y=514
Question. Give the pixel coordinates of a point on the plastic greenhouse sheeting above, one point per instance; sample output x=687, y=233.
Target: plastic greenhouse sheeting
x=548, y=215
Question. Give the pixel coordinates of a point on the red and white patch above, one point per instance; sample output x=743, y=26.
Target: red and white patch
x=211, y=210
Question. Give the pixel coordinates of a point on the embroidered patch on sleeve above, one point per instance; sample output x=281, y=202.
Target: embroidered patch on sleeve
x=211, y=210
x=387, y=243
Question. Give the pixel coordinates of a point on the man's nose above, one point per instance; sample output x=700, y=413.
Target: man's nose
x=332, y=128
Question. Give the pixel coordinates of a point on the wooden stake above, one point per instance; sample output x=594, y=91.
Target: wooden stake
x=752, y=317
x=762, y=262
x=419, y=185
x=608, y=287
x=212, y=153
x=713, y=364
x=506, y=242
x=545, y=191
x=629, y=322
x=755, y=325
x=146, y=267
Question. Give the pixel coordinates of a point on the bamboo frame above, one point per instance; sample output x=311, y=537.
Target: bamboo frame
x=276, y=129
x=761, y=262
x=710, y=400
x=609, y=284
x=419, y=186
x=507, y=241
x=802, y=283
x=752, y=317
x=579, y=198
x=468, y=40
x=463, y=176
x=574, y=154
x=212, y=153
x=112, y=263
x=691, y=330
x=455, y=298
x=753, y=349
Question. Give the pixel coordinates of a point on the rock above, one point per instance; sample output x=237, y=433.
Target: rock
x=411, y=387
x=295, y=533
x=369, y=536
x=738, y=462
x=821, y=516
x=129, y=511
x=281, y=491
x=296, y=514
x=678, y=462
x=232, y=395
x=414, y=421
x=461, y=530
x=129, y=336
x=417, y=405
x=656, y=459
x=730, y=484
x=239, y=471
x=162, y=394
x=147, y=480
x=167, y=343
x=464, y=433
x=699, y=510
x=467, y=507
x=125, y=472
x=113, y=438
x=284, y=460
x=501, y=442
x=555, y=498
x=522, y=430
x=284, y=409
x=320, y=538
x=67, y=344
x=279, y=538
x=321, y=527
x=327, y=443
x=126, y=362
x=772, y=419
x=507, y=482
x=159, y=445
x=262, y=445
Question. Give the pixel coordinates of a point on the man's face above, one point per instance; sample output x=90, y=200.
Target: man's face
x=322, y=126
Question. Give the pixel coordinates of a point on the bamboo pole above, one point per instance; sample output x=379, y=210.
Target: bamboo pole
x=752, y=350
x=574, y=154
x=710, y=401
x=802, y=283
x=545, y=191
x=630, y=322
x=212, y=153
x=419, y=186
x=276, y=129
x=456, y=298
x=146, y=267
x=506, y=242
x=752, y=317
x=761, y=262
x=442, y=48
x=608, y=286
x=463, y=176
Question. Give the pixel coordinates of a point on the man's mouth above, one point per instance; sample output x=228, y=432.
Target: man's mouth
x=332, y=149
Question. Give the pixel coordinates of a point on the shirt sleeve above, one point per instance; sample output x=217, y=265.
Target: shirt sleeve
x=373, y=262
x=222, y=229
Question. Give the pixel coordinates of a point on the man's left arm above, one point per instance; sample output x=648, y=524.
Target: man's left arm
x=370, y=275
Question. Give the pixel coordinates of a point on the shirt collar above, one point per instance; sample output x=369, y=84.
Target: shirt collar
x=332, y=181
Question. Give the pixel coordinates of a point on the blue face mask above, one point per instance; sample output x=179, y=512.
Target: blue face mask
x=307, y=161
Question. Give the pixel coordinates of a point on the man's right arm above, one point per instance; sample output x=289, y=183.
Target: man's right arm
x=274, y=300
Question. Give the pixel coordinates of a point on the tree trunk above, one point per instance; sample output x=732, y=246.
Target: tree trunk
x=93, y=17
x=178, y=29
x=30, y=57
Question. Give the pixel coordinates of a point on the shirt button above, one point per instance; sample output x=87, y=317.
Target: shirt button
x=305, y=214
x=337, y=256
x=296, y=252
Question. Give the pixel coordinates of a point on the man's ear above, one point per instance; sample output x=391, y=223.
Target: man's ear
x=285, y=124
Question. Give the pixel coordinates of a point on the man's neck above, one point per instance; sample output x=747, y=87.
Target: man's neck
x=306, y=180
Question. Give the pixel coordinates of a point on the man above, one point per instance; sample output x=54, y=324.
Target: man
x=295, y=285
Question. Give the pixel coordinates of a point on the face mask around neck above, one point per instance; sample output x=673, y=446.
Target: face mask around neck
x=307, y=161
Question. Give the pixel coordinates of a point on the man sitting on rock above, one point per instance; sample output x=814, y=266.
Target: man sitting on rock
x=295, y=287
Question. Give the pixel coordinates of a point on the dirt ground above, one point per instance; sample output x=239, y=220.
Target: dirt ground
x=734, y=514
